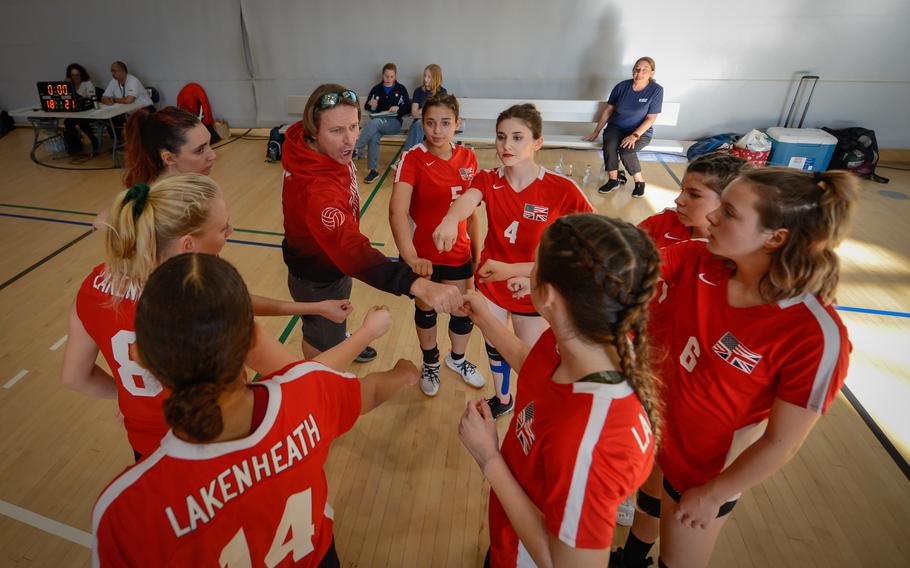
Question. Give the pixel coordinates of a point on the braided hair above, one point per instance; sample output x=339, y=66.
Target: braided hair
x=607, y=270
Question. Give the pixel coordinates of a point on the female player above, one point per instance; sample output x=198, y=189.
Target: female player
x=162, y=143
x=522, y=200
x=430, y=176
x=185, y=213
x=588, y=418
x=756, y=352
x=699, y=194
x=239, y=479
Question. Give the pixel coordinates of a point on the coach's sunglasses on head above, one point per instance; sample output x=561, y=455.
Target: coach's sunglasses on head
x=330, y=100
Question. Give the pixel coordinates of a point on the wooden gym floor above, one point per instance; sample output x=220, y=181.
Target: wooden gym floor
x=404, y=490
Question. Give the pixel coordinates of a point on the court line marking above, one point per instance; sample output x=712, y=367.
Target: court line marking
x=46, y=524
x=45, y=259
x=18, y=377
x=59, y=343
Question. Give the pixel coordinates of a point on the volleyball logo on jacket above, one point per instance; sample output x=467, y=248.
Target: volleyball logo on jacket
x=332, y=218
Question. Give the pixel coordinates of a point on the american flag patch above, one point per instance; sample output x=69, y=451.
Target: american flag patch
x=536, y=212
x=732, y=351
x=467, y=174
x=523, y=421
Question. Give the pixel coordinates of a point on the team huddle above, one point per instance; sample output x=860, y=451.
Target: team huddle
x=682, y=361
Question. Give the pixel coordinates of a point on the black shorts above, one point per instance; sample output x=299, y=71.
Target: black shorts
x=442, y=272
x=676, y=496
x=321, y=333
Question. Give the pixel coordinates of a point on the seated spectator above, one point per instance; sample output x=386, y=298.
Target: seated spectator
x=632, y=108
x=81, y=81
x=124, y=88
x=431, y=86
x=390, y=95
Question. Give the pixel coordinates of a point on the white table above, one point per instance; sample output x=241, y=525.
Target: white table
x=107, y=113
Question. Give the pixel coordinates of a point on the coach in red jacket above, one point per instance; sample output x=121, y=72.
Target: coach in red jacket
x=323, y=246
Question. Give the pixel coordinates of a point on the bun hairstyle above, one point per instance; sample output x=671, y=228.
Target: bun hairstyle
x=147, y=134
x=607, y=271
x=311, y=114
x=441, y=100
x=718, y=169
x=144, y=222
x=194, y=328
x=817, y=211
x=526, y=113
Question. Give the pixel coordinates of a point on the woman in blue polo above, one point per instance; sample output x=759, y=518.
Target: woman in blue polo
x=632, y=108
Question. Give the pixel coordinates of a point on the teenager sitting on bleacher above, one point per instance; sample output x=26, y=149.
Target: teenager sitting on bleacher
x=392, y=96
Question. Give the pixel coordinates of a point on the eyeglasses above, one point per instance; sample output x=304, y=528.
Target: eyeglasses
x=330, y=100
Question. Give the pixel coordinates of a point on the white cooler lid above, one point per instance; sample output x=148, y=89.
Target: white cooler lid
x=801, y=135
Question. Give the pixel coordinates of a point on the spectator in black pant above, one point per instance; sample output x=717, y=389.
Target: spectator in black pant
x=77, y=74
x=631, y=110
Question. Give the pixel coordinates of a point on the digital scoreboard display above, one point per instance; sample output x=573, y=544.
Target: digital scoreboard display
x=59, y=96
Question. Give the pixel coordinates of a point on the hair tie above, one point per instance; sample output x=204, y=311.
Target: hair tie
x=137, y=194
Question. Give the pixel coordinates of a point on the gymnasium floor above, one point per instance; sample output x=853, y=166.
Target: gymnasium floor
x=405, y=492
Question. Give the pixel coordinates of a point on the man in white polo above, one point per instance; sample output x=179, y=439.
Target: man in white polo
x=124, y=88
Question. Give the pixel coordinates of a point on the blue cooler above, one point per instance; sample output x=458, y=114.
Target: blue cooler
x=807, y=149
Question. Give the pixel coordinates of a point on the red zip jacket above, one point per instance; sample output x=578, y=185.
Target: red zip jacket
x=322, y=238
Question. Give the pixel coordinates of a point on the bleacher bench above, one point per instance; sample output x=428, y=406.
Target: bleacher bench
x=551, y=110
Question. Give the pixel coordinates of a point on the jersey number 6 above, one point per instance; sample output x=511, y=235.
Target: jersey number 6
x=689, y=356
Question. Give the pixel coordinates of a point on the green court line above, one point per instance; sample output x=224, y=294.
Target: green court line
x=388, y=168
x=287, y=331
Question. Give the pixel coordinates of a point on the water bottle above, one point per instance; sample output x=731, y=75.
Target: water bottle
x=603, y=172
x=587, y=176
x=570, y=170
x=558, y=167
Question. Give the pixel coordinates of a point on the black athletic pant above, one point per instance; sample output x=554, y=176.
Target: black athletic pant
x=613, y=153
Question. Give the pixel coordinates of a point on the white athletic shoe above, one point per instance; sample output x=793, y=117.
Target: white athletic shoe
x=625, y=513
x=467, y=370
x=429, y=379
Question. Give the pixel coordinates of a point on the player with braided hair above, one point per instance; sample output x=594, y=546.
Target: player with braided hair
x=756, y=353
x=588, y=415
x=699, y=193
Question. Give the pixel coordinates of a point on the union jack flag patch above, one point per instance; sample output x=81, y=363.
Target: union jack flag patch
x=536, y=212
x=523, y=422
x=732, y=351
x=467, y=174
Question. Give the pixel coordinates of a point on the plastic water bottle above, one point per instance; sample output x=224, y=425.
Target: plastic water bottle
x=625, y=513
x=558, y=167
x=570, y=170
x=587, y=177
x=603, y=172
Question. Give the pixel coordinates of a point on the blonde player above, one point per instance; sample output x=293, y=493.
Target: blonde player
x=181, y=213
x=522, y=199
x=239, y=479
x=587, y=416
x=756, y=353
x=430, y=177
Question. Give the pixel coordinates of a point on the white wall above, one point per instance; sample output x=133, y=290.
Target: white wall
x=730, y=64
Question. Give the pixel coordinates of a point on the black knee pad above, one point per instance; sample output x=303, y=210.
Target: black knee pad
x=648, y=504
x=425, y=319
x=492, y=353
x=460, y=325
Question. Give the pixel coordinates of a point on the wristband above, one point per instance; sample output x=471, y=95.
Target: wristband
x=636, y=135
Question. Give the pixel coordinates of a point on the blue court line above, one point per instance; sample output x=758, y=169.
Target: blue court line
x=871, y=311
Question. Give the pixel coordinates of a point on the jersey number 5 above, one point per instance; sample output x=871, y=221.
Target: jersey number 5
x=689, y=356
x=294, y=536
x=128, y=370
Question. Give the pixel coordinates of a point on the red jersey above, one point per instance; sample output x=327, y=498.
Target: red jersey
x=665, y=229
x=322, y=238
x=256, y=501
x=576, y=449
x=726, y=365
x=437, y=183
x=112, y=328
x=517, y=220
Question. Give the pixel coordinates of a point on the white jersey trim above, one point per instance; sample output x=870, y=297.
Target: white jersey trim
x=603, y=396
x=524, y=559
x=401, y=161
x=830, y=354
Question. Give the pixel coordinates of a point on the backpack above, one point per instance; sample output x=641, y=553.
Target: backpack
x=717, y=143
x=856, y=151
x=276, y=139
x=192, y=98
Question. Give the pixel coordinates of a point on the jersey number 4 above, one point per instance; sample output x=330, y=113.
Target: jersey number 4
x=294, y=536
x=511, y=232
x=128, y=370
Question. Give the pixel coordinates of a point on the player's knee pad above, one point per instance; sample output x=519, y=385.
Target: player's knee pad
x=425, y=319
x=648, y=504
x=460, y=325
